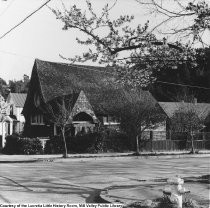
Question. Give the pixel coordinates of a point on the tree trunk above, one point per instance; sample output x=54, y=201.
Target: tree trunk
x=151, y=140
x=65, y=153
x=137, y=145
x=192, y=143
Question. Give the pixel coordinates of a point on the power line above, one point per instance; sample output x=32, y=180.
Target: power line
x=13, y=28
x=16, y=54
x=105, y=72
x=171, y=83
x=184, y=85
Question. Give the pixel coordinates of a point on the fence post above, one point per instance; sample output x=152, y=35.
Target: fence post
x=170, y=143
x=203, y=140
x=169, y=134
x=151, y=140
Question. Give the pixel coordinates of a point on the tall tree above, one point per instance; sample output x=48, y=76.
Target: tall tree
x=135, y=51
x=187, y=78
x=20, y=86
x=58, y=112
x=187, y=119
x=140, y=112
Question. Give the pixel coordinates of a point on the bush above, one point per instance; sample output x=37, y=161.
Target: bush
x=30, y=146
x=78, y=144
x=54, y=146
x=12, y=145
x=104, y=141
x=16, y=145
x=82, y=143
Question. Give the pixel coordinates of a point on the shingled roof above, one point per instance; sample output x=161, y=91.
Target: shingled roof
x=18, y=99
x=202, y=109
x=98, y=84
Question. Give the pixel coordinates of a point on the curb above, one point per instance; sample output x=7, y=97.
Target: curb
x=104, y=196
x=20, y=161
x=161, y=155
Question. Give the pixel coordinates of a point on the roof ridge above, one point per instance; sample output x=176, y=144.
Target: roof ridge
x=68, y=64
x=36, y=70
x=88, y=67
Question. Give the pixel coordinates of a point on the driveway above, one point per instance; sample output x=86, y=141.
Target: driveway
x=80, y=180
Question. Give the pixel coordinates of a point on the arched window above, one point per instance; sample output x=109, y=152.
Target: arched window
x=83, y=117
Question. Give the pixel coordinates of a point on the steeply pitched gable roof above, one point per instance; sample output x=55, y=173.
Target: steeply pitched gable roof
x=18, y=99
x=59, y=78
x=82, y=105
x=202, y=109
x=98, y=84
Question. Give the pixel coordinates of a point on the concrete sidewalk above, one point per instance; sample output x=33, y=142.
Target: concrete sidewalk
x=59, y=157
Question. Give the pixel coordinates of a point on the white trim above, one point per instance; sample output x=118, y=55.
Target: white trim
x=38, y=119
x=111, y=123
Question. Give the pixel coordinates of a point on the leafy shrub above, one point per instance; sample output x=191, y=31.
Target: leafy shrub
x=54, y=146
x=12, y=145
x=115, y=141
x=30, y=146
x=82, y=143
x=104, y=141
x=16, y=145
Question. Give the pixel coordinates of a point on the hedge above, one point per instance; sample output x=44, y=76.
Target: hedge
x=17, y=145
x=105, y=141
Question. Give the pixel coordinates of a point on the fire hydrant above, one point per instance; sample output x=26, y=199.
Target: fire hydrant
x=174, y=191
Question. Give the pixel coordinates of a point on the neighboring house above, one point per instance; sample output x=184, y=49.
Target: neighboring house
x=16, y=102
x=202, y=110
x=6, y=123
x=96, y=90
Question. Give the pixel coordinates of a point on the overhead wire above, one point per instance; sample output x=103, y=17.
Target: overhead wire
x=21, y=22
x=16, y=54
x=106, y=72
x=171, y=83
x=27, y=17
x=184, y=85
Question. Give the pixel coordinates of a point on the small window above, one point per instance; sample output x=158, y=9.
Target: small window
x=105, y=119
x=36, y=100
x=11, y=110
x=110, y=120
x=37, y=119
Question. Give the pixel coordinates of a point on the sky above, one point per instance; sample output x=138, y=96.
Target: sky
x=41, y=36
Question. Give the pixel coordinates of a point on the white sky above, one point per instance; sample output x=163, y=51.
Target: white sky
x=41, y=35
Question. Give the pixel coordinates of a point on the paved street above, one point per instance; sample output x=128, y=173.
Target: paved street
x=80, y=180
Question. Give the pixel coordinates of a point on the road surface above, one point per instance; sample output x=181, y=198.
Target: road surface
x=80, y=180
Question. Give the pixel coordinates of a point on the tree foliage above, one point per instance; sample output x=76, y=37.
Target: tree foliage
x=3, y=88
x=135, y=53
x=4, y=108
x=58, y=112
x=138, y=114
x=186, y=19
x=191, y=79
x=14, y=86
x=19, y=86
x=187, y=119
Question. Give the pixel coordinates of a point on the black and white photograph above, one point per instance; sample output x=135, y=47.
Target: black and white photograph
x=104, y=103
